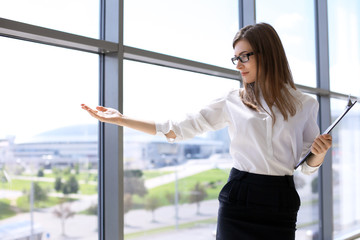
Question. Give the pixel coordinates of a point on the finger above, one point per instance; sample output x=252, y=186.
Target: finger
x=101, y=108
x=96, y=115
x=316, y=146
x=321, y=140
x=314, y=149
x=90, y=110
x=326, y=141
x=327, y=136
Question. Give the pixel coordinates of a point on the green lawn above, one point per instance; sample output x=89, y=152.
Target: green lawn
x=148, y=174
x=82, y=176
x=5, y=209
x=214, y=179
x=20, y=185
x=23, y=203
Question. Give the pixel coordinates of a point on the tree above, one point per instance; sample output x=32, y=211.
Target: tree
x=170, y=196
x=63, y=212
x=152, y=203
x=197, y=194
x=58, y=184
x=56, y=171
x=40, y=172
x=134, y=183
x=71, y=185
x=127, y=202
x=39, y=193
x=77, y=168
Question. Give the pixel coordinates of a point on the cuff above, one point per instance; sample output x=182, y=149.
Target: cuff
x=164, y=128
x=306, y=169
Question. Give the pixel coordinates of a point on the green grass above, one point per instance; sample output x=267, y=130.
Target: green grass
x=82, y=176
x=20, y=185
x=216, y=176
x=88, y=189
x=5, y=209
x=23, y=203
x=148, y=174
x=169, y=228
x=92, y=210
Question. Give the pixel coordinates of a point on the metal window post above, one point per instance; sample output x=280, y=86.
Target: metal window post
x=247, y=14
x=323, y=82
x=111, y=220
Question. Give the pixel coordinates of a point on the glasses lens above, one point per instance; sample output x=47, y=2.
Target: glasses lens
x=234, y=60
x=244, y=58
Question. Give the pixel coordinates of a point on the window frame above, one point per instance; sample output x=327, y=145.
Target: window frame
x=112, y=52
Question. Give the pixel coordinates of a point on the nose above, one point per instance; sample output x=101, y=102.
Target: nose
x=239, y=65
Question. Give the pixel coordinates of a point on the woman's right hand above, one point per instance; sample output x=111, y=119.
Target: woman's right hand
x=103, y=114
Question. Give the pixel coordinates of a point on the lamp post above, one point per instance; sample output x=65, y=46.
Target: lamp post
x=176, y=200
x=31, y=210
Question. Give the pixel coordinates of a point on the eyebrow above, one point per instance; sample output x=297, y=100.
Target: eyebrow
x=243, y=52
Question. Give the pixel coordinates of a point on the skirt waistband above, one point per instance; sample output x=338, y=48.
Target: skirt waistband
x=267, y=180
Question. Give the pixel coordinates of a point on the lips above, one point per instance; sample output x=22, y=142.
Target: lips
x=244, y=73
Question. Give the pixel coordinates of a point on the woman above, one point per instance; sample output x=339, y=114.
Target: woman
x=271, y=126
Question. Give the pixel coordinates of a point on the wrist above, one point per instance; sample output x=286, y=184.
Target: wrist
x=121, y=121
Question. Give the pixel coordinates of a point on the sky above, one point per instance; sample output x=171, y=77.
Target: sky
x=42, y=87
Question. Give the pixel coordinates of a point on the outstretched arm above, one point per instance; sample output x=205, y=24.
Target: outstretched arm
x=113, y=116
x=319, y=148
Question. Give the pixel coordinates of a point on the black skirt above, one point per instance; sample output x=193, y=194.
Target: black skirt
x=255, y=206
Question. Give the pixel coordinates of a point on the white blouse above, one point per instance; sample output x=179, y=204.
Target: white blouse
x=256, y=145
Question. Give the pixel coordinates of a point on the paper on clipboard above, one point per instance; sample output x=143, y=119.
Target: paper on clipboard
x=328, y=130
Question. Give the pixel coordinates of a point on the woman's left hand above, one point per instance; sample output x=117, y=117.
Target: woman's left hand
x=321, y=144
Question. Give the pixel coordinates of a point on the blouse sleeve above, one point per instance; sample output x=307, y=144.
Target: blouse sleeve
x=311, y=131
x=210, y=118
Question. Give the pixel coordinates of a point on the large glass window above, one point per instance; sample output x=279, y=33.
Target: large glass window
x=48, y=145
x=295, y=24
x=199, y=30
x=346, y=168
x=80, y=17
x=308, y=216
x=344, y=54
x=344, y=48
x=172, y=186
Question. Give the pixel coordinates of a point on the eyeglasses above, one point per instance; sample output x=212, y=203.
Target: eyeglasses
x=243, y=58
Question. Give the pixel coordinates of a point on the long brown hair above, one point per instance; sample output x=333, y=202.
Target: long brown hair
x=273, y=71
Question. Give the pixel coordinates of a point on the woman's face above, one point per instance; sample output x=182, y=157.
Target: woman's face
x=247, y=69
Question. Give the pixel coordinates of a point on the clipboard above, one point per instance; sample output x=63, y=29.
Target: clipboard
x=328, y=130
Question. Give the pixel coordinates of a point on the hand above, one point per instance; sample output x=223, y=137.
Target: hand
x=321, y=144
x=108, y=115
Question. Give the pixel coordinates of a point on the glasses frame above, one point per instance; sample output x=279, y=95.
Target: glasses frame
x=242, y=58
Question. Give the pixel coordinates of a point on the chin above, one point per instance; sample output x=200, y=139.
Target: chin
x=248, y=81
